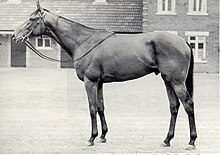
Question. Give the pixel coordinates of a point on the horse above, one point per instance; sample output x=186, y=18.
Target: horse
x=120, y=57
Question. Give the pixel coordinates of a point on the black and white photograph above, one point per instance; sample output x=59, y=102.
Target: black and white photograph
x=109, y=77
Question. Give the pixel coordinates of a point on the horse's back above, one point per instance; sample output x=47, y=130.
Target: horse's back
x=137, y=42
x=148, y=47
x=125, y=57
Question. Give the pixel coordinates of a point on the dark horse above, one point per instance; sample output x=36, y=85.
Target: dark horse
x=120, y=57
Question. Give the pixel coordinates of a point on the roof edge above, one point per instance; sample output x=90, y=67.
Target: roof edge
x=6, y=31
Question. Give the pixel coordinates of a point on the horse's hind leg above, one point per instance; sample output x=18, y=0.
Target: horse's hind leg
x=174, y=107
x=101, y=108
x=183, y=95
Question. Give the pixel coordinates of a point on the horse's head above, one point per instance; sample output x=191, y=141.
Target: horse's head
x=34, y=26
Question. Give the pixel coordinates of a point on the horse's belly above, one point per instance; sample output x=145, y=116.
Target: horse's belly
x=126, y=71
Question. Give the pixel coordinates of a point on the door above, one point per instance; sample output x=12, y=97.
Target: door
x=18, y=54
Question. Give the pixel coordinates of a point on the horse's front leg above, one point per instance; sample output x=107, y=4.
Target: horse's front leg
x=101, y=108
x=91, y=89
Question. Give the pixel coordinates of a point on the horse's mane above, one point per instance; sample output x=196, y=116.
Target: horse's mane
x=76, y=23
x=69, y=20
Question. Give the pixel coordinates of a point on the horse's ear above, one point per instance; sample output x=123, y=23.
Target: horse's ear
x=39, y=6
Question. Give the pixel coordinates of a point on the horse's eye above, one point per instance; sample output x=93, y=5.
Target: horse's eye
x=32, y=18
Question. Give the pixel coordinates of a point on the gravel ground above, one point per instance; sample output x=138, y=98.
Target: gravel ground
x=46, y=111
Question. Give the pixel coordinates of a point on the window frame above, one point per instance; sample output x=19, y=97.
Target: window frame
x=173, y=32
x=43, y=47
x=160, y=10
x=195, y=8
x=197, y=41
x=100, y=2
x=13, y=1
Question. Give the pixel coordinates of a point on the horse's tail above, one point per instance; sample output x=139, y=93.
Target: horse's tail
x=189, y=79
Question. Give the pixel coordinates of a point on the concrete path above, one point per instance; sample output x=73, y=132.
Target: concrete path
x=46, y=111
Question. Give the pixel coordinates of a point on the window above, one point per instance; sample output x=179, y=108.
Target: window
x=100, y=1
x=173, y=32
x=197, y=7
x=197, y=41
x=13, y=1
x=166, y=7
x=44, y=43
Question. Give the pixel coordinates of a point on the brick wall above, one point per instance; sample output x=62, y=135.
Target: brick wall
x=181, y=22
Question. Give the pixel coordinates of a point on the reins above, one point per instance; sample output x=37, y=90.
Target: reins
x=70, y=60
x=40, y=21
x=44, y=56
x=34, y=49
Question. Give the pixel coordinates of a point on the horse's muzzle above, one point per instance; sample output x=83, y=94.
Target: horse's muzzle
x=19, y=39
x=13, y=37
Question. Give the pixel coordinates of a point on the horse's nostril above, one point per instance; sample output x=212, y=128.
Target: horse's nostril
x=13, y=37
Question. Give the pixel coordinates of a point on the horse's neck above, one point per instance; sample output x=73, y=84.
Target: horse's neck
x=68, y=34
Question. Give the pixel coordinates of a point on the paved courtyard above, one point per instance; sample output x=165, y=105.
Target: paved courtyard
x=46, y=111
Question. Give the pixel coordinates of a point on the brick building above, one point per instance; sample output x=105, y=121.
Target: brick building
x=194, y=20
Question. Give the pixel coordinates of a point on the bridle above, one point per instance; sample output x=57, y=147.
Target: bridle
x=26, y=37
x=41, y=21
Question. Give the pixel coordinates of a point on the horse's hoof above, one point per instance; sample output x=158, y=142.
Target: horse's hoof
x=191, y=147
x=89, y=143
x=165, y=144
x=101, y=140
